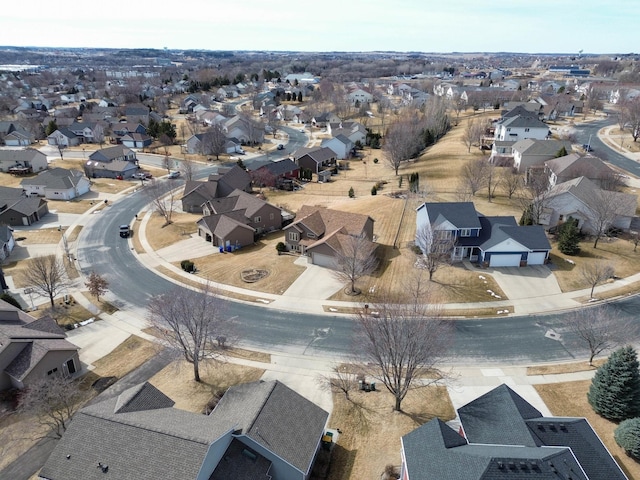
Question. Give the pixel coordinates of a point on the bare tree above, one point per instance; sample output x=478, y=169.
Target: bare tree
x=340, y=379
x=401, y=142
x=53, y=400
x=511, y=181
x=604, y=210
x=404, y=346
x=473, y=175
x=631, y=108
x=436, y=246
x=599, y=329
x=594, y=273
x=213, y=141
x=355, y=258
x=47, y=275
x=188, y=168
x=191, y=322
x=472, y=134
x=163, y=197
x=535, y=199
x=167, y=163
x=97, y=285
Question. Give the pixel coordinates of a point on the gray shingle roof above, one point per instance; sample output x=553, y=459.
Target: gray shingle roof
x=550, y=148
x=60, y=178
x=498, y=229
x=460, y=214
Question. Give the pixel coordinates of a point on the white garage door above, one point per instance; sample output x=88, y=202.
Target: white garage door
x=511, y=260
x=536, y=258
x=322, y=260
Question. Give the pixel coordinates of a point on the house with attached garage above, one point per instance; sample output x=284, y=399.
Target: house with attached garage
x=319, y=233
x=315, y=159
x=574, y=165
x=32, y=348
x=258, y=430
x=531, y=152
x=502, y=436
x=490, y=241
x=220, y=184
x=64, y=137
x=341, y=145
x=57, y=184
x=16, y=209
x=583, y=200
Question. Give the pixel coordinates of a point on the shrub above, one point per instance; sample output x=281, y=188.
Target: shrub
x=627, y=435
x=569, y=237
x=352, y=193
x=374, y=190
x=375, y=160
x=281, y=247
x=615, y=389
x=188, y=266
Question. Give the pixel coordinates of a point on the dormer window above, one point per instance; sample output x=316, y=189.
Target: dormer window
x=465, y=232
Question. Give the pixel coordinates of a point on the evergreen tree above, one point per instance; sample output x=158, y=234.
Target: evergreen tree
x=52, y=126
x=7, y=297
x=615, y=389
x=627, y=435
x=569, y=237
x=561, y=153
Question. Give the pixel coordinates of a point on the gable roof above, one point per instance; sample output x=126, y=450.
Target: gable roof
x=281, y=167
x=110, y=153
x=576, y=165
x=496, y=230
x=320, y=220
x=318, y=154
x=56, y=178
x=140, y=435
x=530, y=146
x=21, y=155
x=523, y=121
x=459, y=214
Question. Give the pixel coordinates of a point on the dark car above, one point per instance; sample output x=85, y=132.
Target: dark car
x=125, y=231
x=280, y=146
x=587, y=148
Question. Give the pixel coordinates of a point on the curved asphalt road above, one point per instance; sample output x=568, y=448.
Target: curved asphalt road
x=500, y=340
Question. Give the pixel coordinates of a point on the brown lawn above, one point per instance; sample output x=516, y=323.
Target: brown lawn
x=64, y=314
x=71, y=206
x=176, y=381
x=371, y=431
x=160, y=235
x=127, y=356
x=39, y=236
x=570, y=399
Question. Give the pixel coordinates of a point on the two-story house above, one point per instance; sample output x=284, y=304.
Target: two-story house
x=520, y=127
x=531, y=152
x=491, y=241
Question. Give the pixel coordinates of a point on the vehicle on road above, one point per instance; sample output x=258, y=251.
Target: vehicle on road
x=174, y=174
x=280, y=146
x=587, y=148
x=125, y=231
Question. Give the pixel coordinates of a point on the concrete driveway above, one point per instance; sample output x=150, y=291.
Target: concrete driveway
x=315, y=282
x=192, y=247
x=525, y=282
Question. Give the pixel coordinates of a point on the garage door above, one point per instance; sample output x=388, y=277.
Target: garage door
x=536, y=258
x=511, y=260
x=322, y=260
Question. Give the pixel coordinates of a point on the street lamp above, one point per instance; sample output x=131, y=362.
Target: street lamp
x=29, y=291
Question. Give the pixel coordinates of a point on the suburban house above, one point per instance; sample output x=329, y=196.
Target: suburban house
x=520, y=127
x=354, y=131
x=88, y=132
x=16, y=209
x=491, y=241
x=27, y=160
x=57, y=184
x=234, y=221
x=359, y=96
x=110, y=154
x=258, y=430
x=19, y=138
x=574, y=165
x=218, y=185
x=503, y=436
x=112, y=162
x=120, y=129
x=32, y=348
x=316, y=159
x=530, y=152
x=201, y=144
x=318, y=232
x=280, y=174
x=64, y=137
x=7, y=242
x=323, y=119
x=583, y=200
x=136, y=140
x=341, y=145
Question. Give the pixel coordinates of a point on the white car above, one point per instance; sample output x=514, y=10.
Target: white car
x=175, y=174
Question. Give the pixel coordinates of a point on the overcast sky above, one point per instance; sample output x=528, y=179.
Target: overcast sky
x=564, y=26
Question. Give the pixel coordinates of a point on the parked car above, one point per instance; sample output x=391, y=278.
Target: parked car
x=587, y=148
x=148, y=175
x=280, y=146
x=139, y=175
x=174, y=174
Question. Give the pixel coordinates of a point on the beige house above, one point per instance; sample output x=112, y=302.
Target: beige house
x=32, y=348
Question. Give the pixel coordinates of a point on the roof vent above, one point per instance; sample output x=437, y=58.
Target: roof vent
x=541, y=427
x=501, y=465
x=512, y=465
x=104, y=468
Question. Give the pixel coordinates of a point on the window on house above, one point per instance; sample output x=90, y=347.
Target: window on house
x=294, y=236
x=257, y=219
x=271, y=216
x=526, y=129
x=443, y=234
x=311, y=235
x=509, y=129
x=71, y=366
x=465, y=232
x=51, y=372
